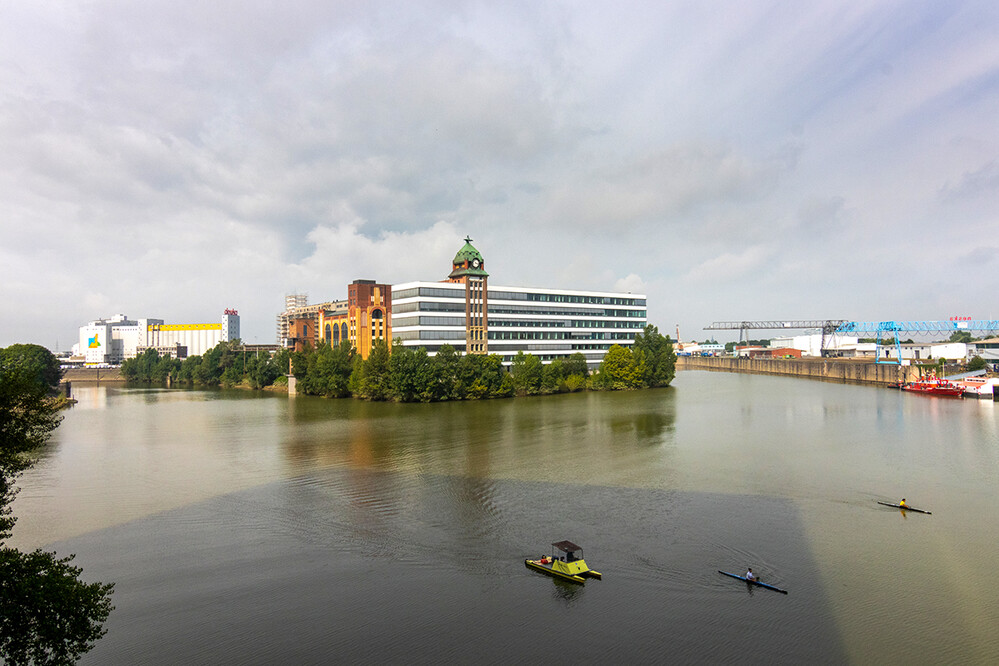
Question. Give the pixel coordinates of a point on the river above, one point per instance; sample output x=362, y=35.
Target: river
x=244, y=527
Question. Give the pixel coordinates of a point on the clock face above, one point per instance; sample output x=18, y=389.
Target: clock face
x=475, y=263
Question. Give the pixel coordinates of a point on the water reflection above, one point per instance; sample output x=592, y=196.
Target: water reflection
x=89, y=396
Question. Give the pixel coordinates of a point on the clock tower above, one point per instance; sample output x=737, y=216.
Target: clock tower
x=468, y=268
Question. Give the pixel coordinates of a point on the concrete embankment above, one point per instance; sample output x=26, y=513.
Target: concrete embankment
x=92, y=375
x=833, y=370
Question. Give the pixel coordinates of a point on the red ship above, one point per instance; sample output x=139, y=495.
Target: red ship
x=932, y=386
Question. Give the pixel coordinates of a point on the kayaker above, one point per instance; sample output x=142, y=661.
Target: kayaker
x=902, y=503
x=750, y=576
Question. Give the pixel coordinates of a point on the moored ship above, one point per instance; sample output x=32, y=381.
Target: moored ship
x=932, y=385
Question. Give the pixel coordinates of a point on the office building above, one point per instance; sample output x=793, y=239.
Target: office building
x=473, y=317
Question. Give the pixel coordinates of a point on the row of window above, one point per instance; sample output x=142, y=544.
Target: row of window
x=565, y=298
x=401, y=322
x=439, y=292
x=622, y=338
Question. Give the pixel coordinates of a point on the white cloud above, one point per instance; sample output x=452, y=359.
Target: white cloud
x=172, y=159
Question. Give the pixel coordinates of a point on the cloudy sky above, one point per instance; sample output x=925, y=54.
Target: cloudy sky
x=733, y=160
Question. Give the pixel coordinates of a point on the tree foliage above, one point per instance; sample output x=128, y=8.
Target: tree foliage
x=47, y=614
x=654, y=357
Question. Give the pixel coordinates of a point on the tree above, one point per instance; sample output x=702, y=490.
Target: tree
x=326, y=370
x=411, y=374
x=619, y=369
x=654, y=357
x=977, y=363
x=553, y=378
x=576, y=365
x=526, y=372
x=372, y=375
x=35, y=361
x=961, y=336
x=451, y=381
x=47, y=615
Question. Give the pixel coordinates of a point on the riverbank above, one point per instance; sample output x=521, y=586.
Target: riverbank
x=847, y=371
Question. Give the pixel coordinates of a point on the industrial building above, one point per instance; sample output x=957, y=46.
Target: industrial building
x=465, y=312
x=111, y=341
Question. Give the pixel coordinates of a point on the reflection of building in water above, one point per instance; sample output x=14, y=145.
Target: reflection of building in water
x=471, y=316
x=365, y=316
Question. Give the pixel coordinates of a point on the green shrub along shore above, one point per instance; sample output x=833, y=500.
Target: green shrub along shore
x=407, y=374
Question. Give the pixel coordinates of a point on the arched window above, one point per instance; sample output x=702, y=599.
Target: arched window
x=327, y=338
x=336, y=335
x=376, y=314
x=343, y=332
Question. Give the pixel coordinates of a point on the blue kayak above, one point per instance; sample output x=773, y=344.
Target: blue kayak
x=753, y=582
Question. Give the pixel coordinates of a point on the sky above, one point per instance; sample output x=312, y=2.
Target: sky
x=748, y=160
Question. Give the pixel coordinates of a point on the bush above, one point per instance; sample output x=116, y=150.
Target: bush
x=977, y=363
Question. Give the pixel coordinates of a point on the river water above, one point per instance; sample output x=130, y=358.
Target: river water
x=248, y=527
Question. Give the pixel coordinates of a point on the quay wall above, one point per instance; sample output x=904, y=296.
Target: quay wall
x=92, y=375
x=834, y=370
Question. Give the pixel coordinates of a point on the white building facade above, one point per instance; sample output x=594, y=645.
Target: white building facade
x=547, y=323
x=111, y=341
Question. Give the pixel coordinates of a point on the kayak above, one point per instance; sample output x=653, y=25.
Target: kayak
x=904, y=508
x=753, y=582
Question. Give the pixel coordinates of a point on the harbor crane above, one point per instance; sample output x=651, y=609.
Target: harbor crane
x=827, y=326
x=879, y=329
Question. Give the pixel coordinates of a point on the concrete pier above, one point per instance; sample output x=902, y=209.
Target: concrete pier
x=847, y=371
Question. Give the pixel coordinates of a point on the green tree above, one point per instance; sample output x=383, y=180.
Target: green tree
x=553, y=378
x=619, y=369
x=977, y=363
x=961, y=336
x=412, y=374
x=47, y=615
x=576, y=365
x=35, y=361
x=450, y=372
x=526, y=372
x=327, y=371
x=481, y=376
x=654, y=357
x=373, y=382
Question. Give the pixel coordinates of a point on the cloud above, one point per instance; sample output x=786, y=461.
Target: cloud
x=982, y=182
x=172, y=159
x=730, y=266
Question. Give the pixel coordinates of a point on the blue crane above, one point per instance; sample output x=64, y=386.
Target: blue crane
x=895, y=328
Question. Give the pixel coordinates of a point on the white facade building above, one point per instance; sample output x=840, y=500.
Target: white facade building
x=954, y=351
x=811, y=344
x=547, y=323
x=111, y=341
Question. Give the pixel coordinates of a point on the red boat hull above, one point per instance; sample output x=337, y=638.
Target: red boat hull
x=937, y=387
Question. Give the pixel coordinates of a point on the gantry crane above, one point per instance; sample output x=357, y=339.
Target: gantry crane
x=880, y=329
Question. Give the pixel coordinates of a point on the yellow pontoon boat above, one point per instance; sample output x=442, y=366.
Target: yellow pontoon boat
x=566, y=562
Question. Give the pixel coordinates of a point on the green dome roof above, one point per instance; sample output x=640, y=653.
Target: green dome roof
x=467, y=253
x=473, y=268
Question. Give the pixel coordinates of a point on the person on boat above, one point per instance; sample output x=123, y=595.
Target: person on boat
x=903, y=504
x=750, y=576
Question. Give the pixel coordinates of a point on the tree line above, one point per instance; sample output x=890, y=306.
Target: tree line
x=408, y=374
x=47, y=614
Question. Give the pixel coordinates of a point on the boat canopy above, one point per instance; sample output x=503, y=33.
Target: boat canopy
x=566, y=546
